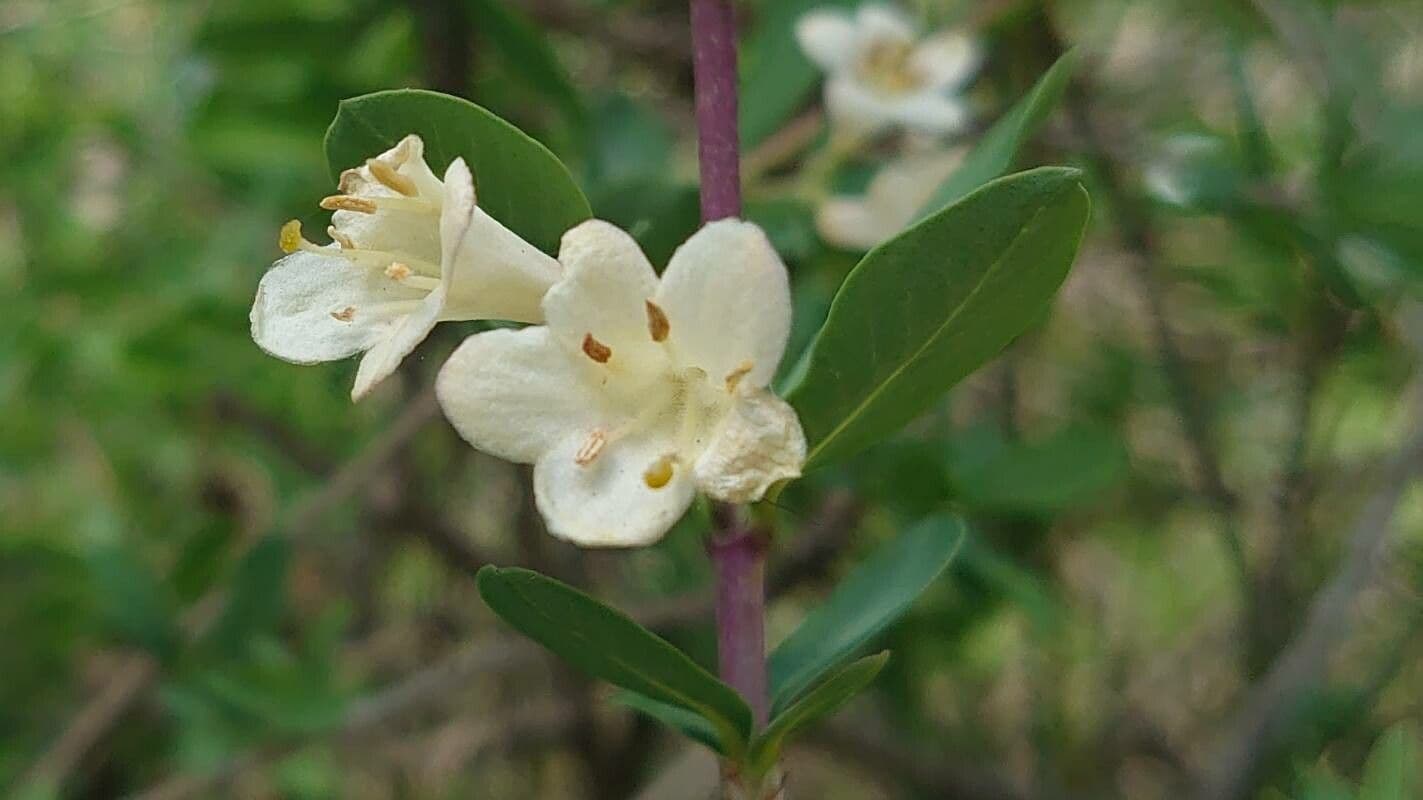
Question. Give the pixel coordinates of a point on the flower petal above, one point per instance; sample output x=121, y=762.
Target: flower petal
x=878, y=22
x=603, y=293
x=727, y=297
x=948, y=60
x=932, y=113
x=828, y=38
x=857, y=109
x=851, y=223
x=488, y=271
x=609, y=502
x=309, y=307
x=402, y=336
x=515, y=394
x=759, y=443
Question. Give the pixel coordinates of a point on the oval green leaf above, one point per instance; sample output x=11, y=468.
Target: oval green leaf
x=518, y=181
x=823, y=700
x=865, y=603
x=607, y=644
x=925, y=309
x=692, y=725
x=1391, y=771
x=995, y=153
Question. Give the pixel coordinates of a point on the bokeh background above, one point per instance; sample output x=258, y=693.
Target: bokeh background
x=1195, y=567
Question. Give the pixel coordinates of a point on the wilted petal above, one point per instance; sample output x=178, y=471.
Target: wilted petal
x=727, y=296
x=828, y=38
x=313, y=307
x=515, y=394
x=759, y=443
x=488, y=271
x=620, y=499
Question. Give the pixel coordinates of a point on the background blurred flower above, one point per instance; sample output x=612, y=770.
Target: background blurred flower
x=881, y=75
x=891, y=202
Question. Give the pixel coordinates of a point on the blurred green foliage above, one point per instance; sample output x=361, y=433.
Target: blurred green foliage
x=1262, y=159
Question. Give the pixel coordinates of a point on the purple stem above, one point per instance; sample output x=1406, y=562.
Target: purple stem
x=718, y=142
x=739, y=557
x=738, y=552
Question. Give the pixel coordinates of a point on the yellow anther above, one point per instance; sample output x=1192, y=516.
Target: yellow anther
x=387, y=175
x=345, y=315
x=591, y=448
x=346, y=202
x=660, y=473
x=290, y=237
x=596, y=350
x=657, y=323
x=340, y=238
x=397, y=271
x=733, y=378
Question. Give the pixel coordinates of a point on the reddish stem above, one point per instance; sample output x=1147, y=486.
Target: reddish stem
x=718, y=142
x=738, y=552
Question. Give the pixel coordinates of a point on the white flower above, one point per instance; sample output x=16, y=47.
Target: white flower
x=409, y=251
x=639, y=392
x=891, y=202
x=880, y=75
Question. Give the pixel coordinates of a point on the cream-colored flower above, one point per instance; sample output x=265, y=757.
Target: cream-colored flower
x=881, y=75
x=408, y=251
x=639, y=391
x=891, y=203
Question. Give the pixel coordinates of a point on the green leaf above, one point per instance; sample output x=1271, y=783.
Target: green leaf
x=776, y=77
x=518, y=181
x=528, y=50
x=256, y=596
x=605, y=643
x=1072, y=467
x=134, y=603
x=823, y=700
x=865, y=603
x=1391, y=772
x=691, y=724
x=998, y=149
x=925, y=309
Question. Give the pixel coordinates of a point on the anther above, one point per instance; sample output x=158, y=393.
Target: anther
x=657, y=323
x=290, y=237
x=733, y=378
x=660, y=473
x=345, y=315
x=346, y=202
x=397, y=271
x=596, y=350
x=387, y=175
x=592, y=448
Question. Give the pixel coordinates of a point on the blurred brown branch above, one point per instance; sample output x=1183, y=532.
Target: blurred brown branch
x=1251, y=734
x=138, y=675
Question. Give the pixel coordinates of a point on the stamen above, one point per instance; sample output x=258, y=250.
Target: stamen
x=383, y=258
x=596, y=350
x=387, y=175
x=290, y=238
x=346, y=242
x=733, y=378
x=657, y=323
x=592, y=448
x=345, y=315
x=346, y=202
x=660, y=473
x=402, y=274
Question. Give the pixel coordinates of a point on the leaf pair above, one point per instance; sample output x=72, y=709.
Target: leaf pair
x=807, y=679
